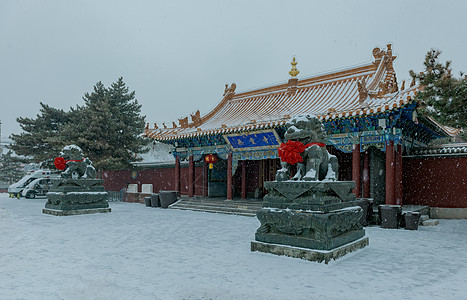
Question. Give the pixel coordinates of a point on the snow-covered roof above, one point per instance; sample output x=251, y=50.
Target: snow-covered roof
x=449, y=131
x=157, y=154
x=358, y=91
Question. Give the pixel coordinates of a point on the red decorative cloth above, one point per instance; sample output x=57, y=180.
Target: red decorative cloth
x=290, y=152
x=60, y=163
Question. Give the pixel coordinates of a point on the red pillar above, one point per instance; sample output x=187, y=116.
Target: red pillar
x=243, y=179
x=205, y=178
x=356, y=169
x=177, y=174
x=191, y=173
x=229, y=177
x=398, y=175
x=366, y=174
x=390, y=168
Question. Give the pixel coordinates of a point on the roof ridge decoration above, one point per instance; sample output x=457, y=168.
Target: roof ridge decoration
x=294, y=71
x=229, y=92
x=292, y=85
x=383, y=82
x=196, y=118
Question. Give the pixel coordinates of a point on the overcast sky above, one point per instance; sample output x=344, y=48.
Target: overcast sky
x=178, y=55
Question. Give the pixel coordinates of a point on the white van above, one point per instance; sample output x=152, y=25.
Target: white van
x=15, y=189
x=37, y=187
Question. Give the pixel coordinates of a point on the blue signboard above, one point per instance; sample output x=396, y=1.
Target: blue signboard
x=253, y=140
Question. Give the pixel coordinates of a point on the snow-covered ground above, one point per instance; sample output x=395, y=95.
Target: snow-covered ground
x=136, y=252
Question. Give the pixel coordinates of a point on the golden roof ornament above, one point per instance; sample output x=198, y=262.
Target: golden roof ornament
x=294, y=72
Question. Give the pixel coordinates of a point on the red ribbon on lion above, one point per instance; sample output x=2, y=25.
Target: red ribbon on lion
x=290, y=152
x=60, y=162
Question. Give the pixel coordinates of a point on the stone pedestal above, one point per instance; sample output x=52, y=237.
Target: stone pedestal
x=76, y=196
x=323, y=196
x=307, y=229
x=310, y=254
x=315, y=215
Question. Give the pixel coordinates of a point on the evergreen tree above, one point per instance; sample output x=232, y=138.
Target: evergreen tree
x=445, y=96
x=41, y=139
x=11, y=168
x=126, y=126
x=108, y=127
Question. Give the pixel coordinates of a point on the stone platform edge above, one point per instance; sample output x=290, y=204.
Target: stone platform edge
x=56, y=212
x=448, y=213
x=310, y=254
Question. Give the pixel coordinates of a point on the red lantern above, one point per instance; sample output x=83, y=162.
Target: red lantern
x=210, y=159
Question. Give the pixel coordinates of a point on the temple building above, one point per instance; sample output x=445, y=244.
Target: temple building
x=371, y=122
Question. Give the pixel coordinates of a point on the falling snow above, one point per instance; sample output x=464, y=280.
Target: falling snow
x=137, y=252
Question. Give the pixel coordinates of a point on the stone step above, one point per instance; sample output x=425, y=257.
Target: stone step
x=242, y=208
x=212, y=207
x=430, y=222
x=216, y=208
x=245, y=214
x=223, y=200
x=231, y=204
x=424, y=218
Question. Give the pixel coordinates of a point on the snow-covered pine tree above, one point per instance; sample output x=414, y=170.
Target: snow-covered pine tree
x=444, y=95
x=126, y=125
x=109, y=126
x=41, y=138
x=11, y=168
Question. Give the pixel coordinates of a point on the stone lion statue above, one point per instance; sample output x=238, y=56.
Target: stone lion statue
x=76, y=165
x=305, y=147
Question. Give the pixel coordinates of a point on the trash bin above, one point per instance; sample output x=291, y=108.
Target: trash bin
x=155, y=202
x=147, y=201
x=365, y=205
x=412, y=219
x=390, y=215
x=167, y=197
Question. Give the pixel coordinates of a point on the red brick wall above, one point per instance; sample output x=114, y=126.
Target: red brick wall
x=160, y=178
x=115, y=180
x=436, y=182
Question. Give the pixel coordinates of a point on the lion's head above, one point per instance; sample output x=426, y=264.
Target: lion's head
x=305, y=129
x=72, y=152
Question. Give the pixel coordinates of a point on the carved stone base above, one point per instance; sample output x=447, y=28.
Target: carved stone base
x=76, y=194
x=309, y=254
x=56, y=212
x=321, y=196
x=318, y=215
x=309, y=229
